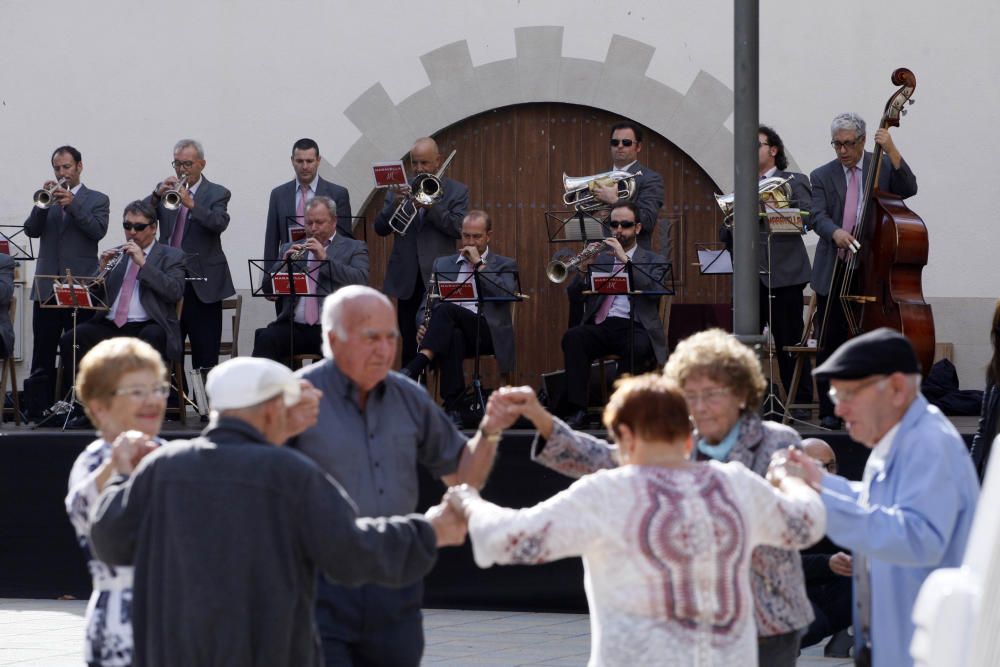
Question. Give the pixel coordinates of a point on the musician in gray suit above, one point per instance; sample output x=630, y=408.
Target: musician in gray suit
x=6, y=294
x=330, y=262
x=431, y=235
x=450, y=334
x=196, y=227
x=69, y=231
x=604, y=328
x=142, y=291
x=831, y=187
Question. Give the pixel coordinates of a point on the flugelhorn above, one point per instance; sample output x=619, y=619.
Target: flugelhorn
x=172, y=197
x=426, y=189
x=580, y=189
x=774, y=192
x=43, y=197
x=558, y=269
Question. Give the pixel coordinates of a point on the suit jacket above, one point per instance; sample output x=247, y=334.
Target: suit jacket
x=826, y=214
x=161, y=286
x=70, y=241
x=648, y=198
x=499, y=282
x=347, y=265
x=6, y=294
x=647, y=308
x=281, y=207
x=431, y=235
x=202, y=242
x=789, y=259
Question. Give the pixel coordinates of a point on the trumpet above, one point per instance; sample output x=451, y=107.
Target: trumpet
x=773, y=192
x=558, y=269
x=300, y=253
x=580, y=189
x=43, y=197
x=172, y=197
x=426, y=189
x=112, y=262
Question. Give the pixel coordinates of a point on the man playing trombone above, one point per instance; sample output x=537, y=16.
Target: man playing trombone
x=70, y=219
x=431, y=234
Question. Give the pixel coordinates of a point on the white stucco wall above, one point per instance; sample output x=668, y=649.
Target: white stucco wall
x=124, y=80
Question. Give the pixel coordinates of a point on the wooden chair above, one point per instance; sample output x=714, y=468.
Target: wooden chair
x=804, y=354
x=10, y=369
x=227, y=348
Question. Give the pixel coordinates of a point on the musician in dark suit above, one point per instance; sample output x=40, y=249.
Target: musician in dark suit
x=288, y=200
x=604, y=328
x=831, y=187
x=342, y=261
x=450, y=334
x=69, y=231
x=196, y=227
x=432, y=234
x=6, y=294
x=142, y=291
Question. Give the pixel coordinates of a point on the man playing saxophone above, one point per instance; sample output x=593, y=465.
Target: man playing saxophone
x=432, y=234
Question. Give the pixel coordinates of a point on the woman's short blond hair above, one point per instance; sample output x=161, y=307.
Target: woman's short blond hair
x=718, y=356
x=104, y=365
x=651, y=405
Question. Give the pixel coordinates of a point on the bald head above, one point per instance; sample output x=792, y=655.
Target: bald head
x=821, y=452
x=425, y=158
x=360, y=334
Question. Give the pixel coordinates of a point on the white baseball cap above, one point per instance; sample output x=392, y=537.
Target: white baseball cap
x=246, y=381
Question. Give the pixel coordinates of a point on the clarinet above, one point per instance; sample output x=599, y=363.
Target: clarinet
x=427, y=309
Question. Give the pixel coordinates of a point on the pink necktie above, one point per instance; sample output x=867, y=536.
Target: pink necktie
x=125, y=294
x=178, y=236
x=850, y=204
x=605, y=308
x=312, y=302
x=300, y=207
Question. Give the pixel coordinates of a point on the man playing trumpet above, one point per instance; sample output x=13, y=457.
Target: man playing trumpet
x=330, y=260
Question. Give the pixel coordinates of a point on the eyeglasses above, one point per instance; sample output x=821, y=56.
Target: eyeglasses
x=624, y=142
x=141, y=393
x=709, y=396
x=845, y=395
x=623, y=224
x=849, y=145
x=187, y=164
x=137, y=226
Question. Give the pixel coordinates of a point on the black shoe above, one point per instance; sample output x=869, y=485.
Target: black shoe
x=578, y=419
x=801, y=414
x=839, y=646
x=456, y=418
x=831, y=423
x=80, y=422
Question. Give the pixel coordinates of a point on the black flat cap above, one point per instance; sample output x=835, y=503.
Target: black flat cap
x=880, y=352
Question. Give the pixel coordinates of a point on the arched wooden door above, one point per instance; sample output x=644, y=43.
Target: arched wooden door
x=513, y=160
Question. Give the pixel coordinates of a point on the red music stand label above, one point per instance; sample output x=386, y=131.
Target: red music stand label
x=64, y=295
x=281, y=285
x=457, y=290
x=607, y=283
x=388, y=173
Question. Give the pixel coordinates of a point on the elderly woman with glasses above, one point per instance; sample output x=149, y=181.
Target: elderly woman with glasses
x=723, y=385
x=667, y=541
x=122, y=385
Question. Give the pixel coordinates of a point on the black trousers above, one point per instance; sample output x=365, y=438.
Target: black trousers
x=202, y=323
x=406, y=317
x=785, y=322
x=276, y=341
x=831, y=602
x=101, y=328
x=47, y=327
x=836, y=334
x=451, y=336
x=586, y=342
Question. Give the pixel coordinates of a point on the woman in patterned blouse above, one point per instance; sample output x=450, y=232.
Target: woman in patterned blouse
x=122, y=385
x=666, y=541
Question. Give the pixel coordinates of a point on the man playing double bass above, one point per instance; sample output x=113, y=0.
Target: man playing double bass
x=837, y=201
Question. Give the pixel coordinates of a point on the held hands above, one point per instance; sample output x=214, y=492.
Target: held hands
x=128, y=449
x=506, y=404
x=841, y=563
x=794, y=463
x=449, y=524
x=305, y=413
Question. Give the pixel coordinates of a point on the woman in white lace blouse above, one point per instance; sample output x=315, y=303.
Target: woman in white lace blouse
x=122, y=385
x=665, y=541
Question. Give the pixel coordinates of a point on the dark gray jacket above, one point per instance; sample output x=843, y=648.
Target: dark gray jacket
x=227, y=533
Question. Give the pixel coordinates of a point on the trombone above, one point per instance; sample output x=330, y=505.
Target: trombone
x=43, y=198
x=426, y=189
x=172, y=197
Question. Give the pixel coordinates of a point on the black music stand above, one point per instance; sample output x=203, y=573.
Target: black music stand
x=289, y=278
x=479, y=287
x=69, y=291
x=16, y=243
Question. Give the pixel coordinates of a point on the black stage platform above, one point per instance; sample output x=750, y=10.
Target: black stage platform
x=39, y=557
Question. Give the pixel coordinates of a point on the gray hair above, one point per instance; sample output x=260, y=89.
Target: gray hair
x=184, y=143
x=848, y=121
x=331, y=205
x=334, y=307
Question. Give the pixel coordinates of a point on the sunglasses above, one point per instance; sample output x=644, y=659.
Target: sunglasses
x=623, y=142
x=137, y=226
x=624, y=224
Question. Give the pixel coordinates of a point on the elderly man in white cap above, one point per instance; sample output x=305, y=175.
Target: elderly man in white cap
x=227, y=531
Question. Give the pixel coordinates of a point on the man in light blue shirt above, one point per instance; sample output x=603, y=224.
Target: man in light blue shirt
x=913, y=509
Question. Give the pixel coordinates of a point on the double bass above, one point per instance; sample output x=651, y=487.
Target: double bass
x=880, y=284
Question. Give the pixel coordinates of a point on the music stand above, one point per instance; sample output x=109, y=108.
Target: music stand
x=68, y=291
x=479, y=287
x=17, y=244
x=290, y=278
